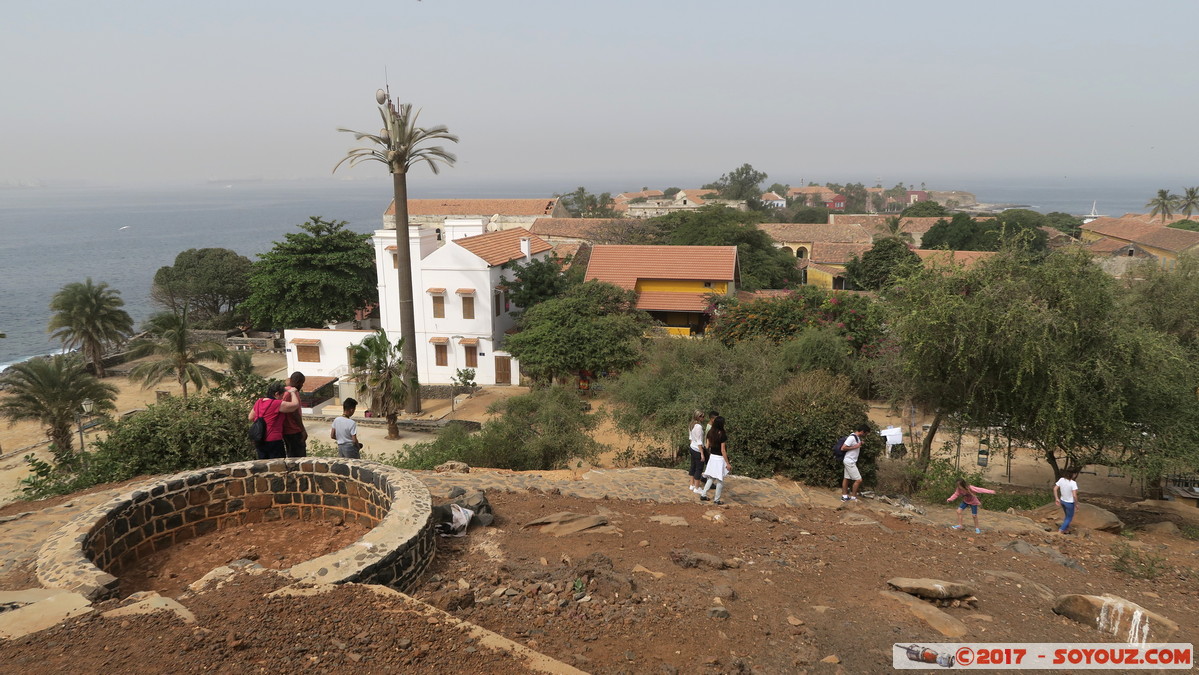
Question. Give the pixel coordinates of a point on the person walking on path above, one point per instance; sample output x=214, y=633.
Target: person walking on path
x=718, y=460
x=278, y=403
x=696, y=434
x=852, y=447
x=969, y=495
x=1065, y=493
x=295, y=436
x=345, y=431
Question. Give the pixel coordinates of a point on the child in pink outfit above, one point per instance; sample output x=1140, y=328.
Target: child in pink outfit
x=968, y=494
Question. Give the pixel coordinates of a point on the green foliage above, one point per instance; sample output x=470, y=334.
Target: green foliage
x=1164, y=204
x=1135, y=563
x=173, y=435
x=1064, y=222
x=762, y=264
x=780, y=319
x=1188, y=203
x=207, y=283
x=1021, y=501
x=924, y=209
x=315, y=277
x=536, y=281
x=1189, y=225
x=51, y=391
x=939, y=479
x=377, y=364
x=593, y=326
x=744, y=182
x=583, y=204
x=963, y=233
x=671, y=191
x=808, y=214
x=174, y=352
x=89, y=317
x=1189, y=531
x=875, y=269
x=465, y=378
x=542, y=430
x=241, y=385
x=818, y=348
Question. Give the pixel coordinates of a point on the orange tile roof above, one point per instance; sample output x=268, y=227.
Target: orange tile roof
x=1141, y=230
x=469, y=342
x=1106, y=245
x=624, y=265
x=477, y=207
x=629, y=196
x=465, y=291
x=1171, y=239
x=696, y=196
x=944, y=257
x=827, y=269
x=826, y=252
x=665, y=301
x=311, y=384
x=578, y=228
x=1128, y=228
x=439, y=340
x=814, y=232
x=305, y=342
x=497, y=248
x=810, y=190
x=435, y=291
x=567, y=250
x=771, y=197
x=877, y=222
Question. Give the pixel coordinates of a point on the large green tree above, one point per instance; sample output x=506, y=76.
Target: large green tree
x=536, y=281
x=51, y=391
x=875, y=269
x=89, y=317
x=172, y=351
x=208, y=282
x=924, y=209
x=1163, y=204
x=1148, y=283
x=377, y=365
x=1188, y=203
x=321, y=275
x=593, y=326
x=744, y=182
x=401, y=145
x=583, y=204
x=763, y=265
x=963, y=233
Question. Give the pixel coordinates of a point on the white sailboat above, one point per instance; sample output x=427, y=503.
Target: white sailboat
x=1092, y=215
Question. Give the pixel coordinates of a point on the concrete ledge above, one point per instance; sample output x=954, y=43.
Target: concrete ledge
x=88, y=553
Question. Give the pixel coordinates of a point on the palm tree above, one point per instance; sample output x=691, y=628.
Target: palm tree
x=89, y=317
x=52, y=391
x=177, y=354
x=377, y=365
x=1164, y=203
x=398, y=145
x=1189, y=202
x=894, y=228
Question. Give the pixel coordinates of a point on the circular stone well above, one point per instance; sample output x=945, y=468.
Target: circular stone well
x=88, y=553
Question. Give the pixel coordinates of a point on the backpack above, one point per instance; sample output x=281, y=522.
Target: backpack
x=257, y=431
x=838, y=451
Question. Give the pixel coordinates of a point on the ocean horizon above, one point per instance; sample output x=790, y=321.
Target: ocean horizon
x=52, y=236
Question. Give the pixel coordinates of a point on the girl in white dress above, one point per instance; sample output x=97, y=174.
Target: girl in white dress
x=718, y=460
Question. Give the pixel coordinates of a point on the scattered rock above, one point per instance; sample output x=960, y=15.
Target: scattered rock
x=718, y=612
x=565, y=522
x=42, y=614
x=656, y=575
x=795, y=621
x=151, y=604
x=1164, y=527
x=1117, y=617
x=1085, y=515
x=831, y=658
x=932, y=589
x=724, y=592
x=674, y=521
x=687, y=558
x=453, y=466
x=1043, y=591
x=942, y=622
x=979, y=617
x=643, y=543
x=1021, y=546
x=764, y=515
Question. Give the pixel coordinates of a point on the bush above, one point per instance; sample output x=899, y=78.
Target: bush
x=1134, y=563
x=541, y=430
x=171, y=436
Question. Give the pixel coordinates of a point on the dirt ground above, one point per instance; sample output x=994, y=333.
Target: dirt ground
x=796, y=591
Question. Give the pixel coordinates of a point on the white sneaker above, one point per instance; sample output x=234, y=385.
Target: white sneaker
x=695, y=489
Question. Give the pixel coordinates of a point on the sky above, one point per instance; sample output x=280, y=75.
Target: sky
x=613, y=95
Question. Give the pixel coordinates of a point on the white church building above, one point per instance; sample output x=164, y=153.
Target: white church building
x=462, y=309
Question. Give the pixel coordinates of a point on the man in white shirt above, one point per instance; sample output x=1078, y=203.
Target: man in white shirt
x=345, y=431
x=852, y=447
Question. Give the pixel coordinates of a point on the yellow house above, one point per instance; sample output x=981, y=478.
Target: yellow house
x=1135, y=233
x=672, y=282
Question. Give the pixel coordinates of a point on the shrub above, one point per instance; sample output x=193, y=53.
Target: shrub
x=1142, y=565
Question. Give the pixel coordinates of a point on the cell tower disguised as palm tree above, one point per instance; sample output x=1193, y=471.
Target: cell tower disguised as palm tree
x=1164, y=204
x=400, y=144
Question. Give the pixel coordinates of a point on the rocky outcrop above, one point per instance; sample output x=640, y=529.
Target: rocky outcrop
x=1021, y=546
x=1041, y=590
x=1085, y=515
x=932, y=589
x=1164, y=527
x=1115, y=616
x=944, y=624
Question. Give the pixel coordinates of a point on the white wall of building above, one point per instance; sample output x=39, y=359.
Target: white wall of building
x=333, y=350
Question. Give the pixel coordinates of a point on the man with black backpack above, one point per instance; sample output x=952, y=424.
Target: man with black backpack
x=850, y=448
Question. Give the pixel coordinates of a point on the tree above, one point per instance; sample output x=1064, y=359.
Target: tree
x=174, y=352
x=924, y=210
x=1164, y=203
x=594, y=326
x=1144, y=288
x=963, y=233
x=209, y=282
x=1188, y=203
x=853, y=316
x=89, y=317
x=51, y=391
x=319, y=276
x=583, y=204
x=893, y=226
x=809, y=214
x=1064, y=222
x=875, y=269
x=536, y=281
x=744, y=182
x=763, y=265
x=402, y=145
x=378, y=365
x=1189, y=225
x=856, y=197
x=779, y=189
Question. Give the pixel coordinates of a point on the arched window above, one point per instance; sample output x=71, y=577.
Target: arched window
x=801, y=252
x=438, y=234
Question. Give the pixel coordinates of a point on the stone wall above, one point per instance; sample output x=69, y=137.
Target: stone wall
x=88, y=553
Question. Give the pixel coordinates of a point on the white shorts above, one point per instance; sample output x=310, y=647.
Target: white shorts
x=851, y=471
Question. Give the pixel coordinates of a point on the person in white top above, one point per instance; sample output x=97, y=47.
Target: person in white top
x=345, y=431
x=852, y=447
x=696, y=437
x=1065, y=493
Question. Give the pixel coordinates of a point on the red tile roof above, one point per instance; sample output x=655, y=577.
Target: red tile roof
x=827, y=269
x=837, y=253
x=664, y=301
x=578, y=228
x=944, y=257
x=696, y=196
x=629, y=196
x=497, y=248
x=814, y=232
x=624, y=265
x=771, y=197
x=1134, y=228
x=477, y=207
x=1106, y=245
x=810, y=190
x=311, y=384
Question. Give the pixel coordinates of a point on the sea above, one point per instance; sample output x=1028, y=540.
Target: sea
x=52, y=236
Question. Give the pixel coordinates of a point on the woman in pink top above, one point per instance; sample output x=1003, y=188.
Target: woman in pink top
x=968, y=493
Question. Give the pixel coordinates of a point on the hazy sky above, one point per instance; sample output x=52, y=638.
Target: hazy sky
x=612, y=94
